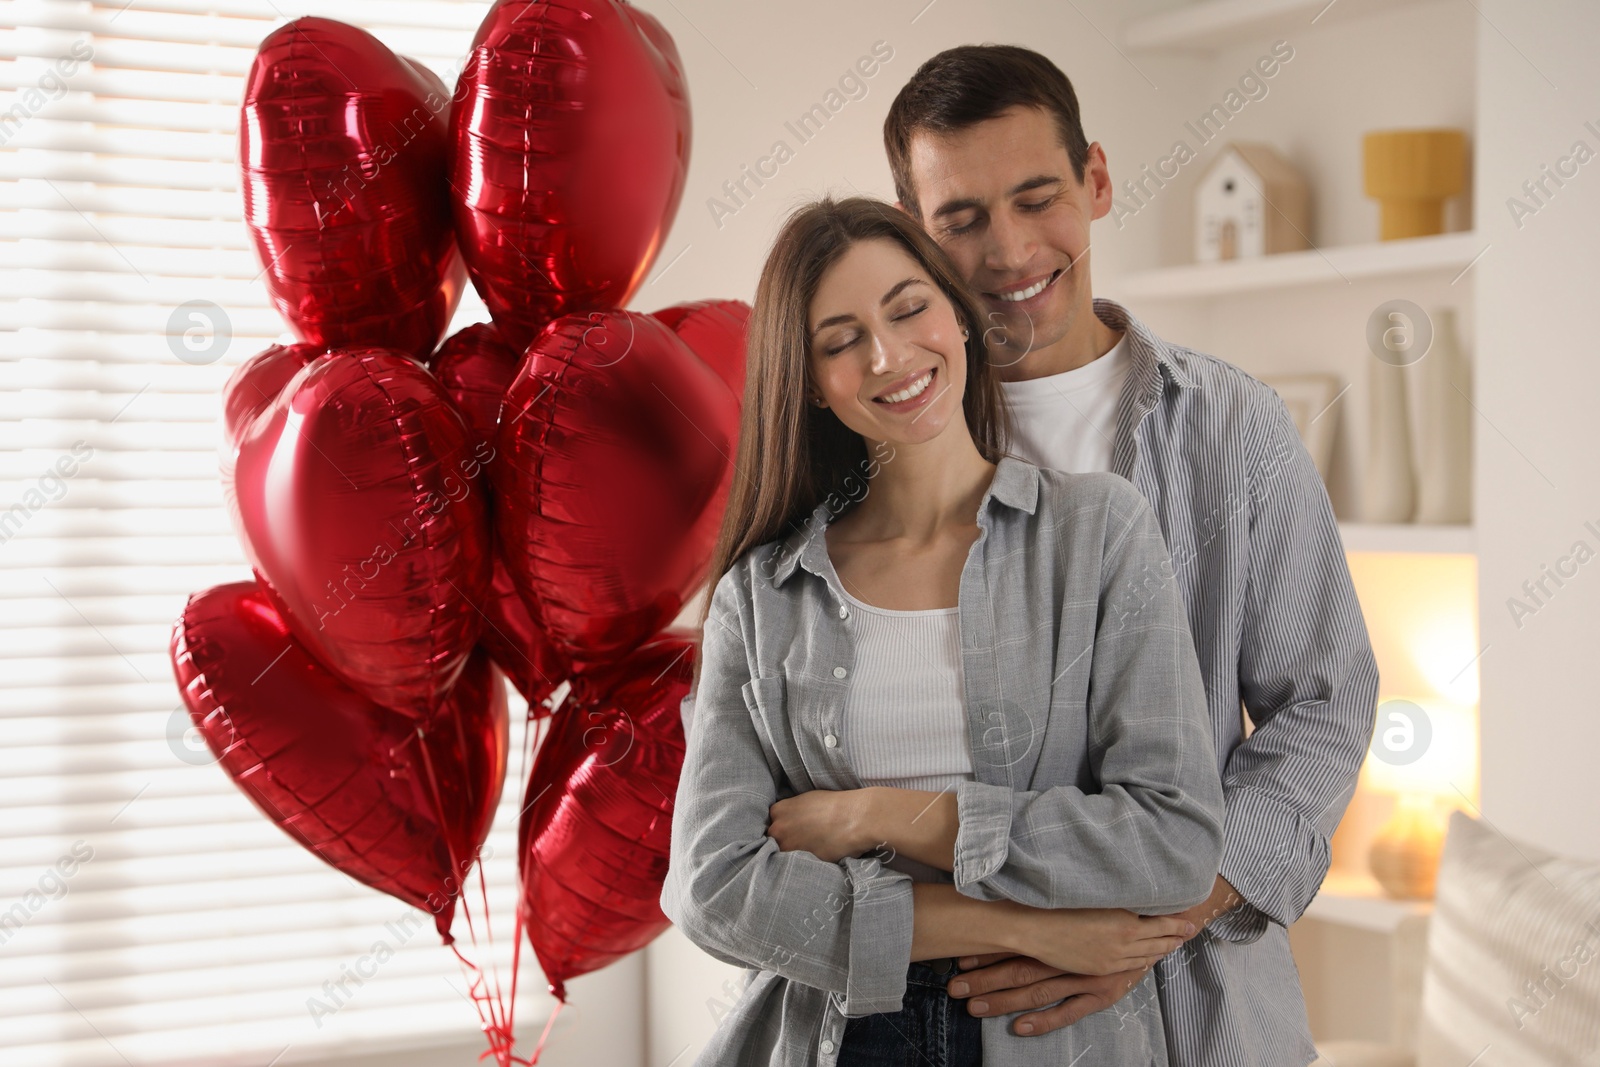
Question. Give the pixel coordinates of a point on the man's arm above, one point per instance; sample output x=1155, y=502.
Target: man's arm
x=1308, y=681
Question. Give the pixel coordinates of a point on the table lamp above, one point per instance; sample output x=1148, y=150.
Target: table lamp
x=1424, y=753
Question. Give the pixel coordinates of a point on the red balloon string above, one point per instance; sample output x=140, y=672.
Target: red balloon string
x=498, y=1023
x=539, y=1048
x=539, y=725
x=492, y=1018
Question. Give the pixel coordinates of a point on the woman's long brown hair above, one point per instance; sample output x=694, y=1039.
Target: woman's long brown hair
x=793, y=455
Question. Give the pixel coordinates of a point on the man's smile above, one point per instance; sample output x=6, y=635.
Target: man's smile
x=1026, y=290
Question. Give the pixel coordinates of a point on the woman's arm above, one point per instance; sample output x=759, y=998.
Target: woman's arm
x=845, y=927
x=834, y=823
x=1150, y=839
x=1095, y=941
x=949, y=924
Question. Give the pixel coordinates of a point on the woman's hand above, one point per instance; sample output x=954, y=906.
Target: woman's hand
x=1100, y=941
x=827, y=823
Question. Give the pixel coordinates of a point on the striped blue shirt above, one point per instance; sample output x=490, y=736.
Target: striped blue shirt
x=1257, y=558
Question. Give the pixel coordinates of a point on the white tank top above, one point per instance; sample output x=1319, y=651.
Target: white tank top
x=905, y=723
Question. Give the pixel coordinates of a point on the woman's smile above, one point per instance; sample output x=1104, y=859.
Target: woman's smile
x=911, y=397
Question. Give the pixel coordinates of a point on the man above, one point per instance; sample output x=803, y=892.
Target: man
x=987, y=150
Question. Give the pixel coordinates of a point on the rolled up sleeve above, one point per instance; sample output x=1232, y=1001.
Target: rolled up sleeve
x=843, y=927
x=1151, y=839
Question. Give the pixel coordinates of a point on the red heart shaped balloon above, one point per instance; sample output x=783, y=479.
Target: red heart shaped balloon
x=714, y=330
x=343, y=149
x=398, y=807
x=256, y=382
x=358, y=496
x=611, y=475
x=476, y=367
x=596, y=831
x=570, y=144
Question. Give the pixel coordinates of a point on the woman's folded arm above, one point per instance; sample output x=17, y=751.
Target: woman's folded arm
x=844, y=927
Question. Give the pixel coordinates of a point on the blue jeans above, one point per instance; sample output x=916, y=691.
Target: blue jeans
x=931, y=1029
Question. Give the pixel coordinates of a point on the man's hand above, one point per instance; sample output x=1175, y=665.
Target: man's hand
x=1001, y=983
x=1004, y=984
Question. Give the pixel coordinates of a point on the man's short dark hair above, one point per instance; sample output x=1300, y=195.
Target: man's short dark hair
x=961, y=87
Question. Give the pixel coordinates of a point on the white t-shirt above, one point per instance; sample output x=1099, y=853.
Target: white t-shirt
x=1068, y=421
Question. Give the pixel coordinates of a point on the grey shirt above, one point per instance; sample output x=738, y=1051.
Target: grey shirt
x=1095, y=777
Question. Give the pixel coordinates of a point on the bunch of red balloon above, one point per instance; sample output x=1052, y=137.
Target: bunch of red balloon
x=538, y=496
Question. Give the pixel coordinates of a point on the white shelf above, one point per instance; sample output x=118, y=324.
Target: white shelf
x=1372, y=537
x=1205, y=27
x=1338, y=264
x=1358, y=901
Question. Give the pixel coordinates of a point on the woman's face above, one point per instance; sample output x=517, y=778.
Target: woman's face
x=887, y=352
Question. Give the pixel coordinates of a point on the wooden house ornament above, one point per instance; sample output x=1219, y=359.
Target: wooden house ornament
x=1250, y=202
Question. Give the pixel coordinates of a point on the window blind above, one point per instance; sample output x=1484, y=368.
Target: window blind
x=148, y=912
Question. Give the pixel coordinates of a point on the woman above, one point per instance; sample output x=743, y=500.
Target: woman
x=942, y=694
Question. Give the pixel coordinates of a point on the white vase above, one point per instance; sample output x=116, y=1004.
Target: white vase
x=1389, y=490
x=1444, y=430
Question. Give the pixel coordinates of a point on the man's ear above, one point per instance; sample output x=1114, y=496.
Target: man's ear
x=1097, y=181
x=898, y=206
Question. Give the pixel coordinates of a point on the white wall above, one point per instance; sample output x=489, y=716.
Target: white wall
x=793, y=54
x=1538, y=389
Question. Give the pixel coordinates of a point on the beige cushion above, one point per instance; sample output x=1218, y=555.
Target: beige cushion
x=1513, y=956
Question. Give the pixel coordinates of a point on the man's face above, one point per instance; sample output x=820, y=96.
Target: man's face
x=1001, y=198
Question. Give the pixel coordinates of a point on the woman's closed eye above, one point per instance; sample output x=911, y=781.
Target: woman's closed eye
x=841, y=344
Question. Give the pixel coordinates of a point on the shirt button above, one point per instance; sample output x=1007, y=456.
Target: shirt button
x=831, y=741
x=827, y=1047
x=839, y=672
x=844, y=612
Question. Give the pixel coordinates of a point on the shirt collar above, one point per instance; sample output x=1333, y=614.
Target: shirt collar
x=1015, y=484
x=1151, y=356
